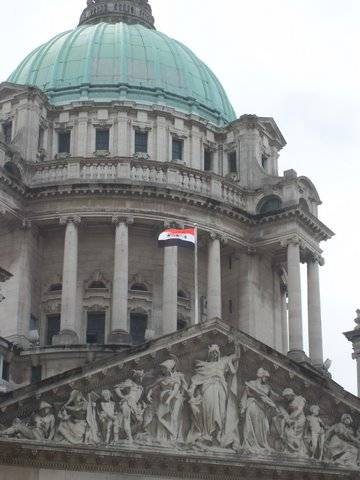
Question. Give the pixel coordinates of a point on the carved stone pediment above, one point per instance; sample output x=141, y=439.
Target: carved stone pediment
x=208, y=400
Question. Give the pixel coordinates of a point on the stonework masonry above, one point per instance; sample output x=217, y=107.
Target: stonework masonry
x=106, y=373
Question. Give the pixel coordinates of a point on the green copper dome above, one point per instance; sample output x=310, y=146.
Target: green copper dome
x=116, y=62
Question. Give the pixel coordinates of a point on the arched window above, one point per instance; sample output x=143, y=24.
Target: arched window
x=182, y=294
x=12, y=170
x=97, y=284
x=139, y=287
x=55, y=287
x=269, y=204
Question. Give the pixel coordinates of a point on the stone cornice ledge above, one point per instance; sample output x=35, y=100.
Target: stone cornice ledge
x=306, y=217
x=160, y=464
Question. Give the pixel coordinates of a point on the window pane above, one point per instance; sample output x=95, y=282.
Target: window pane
x=181, y=324
x=102, y=139
x=36, y=374
x=270, y=205
x=138, y=325
x=53, y=328
x=232, y=162
x=95, y=328
x=64, y=142
x=34, y=323
x=6, y=371
x=207, y=160
x=141, y=142
x=177, y=149
x=7, y=130
x=41, y=139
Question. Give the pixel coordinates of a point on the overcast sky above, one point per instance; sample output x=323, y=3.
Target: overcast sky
x=294, y=60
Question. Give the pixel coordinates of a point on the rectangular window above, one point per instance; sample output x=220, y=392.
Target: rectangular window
x=102, y=139
x=64, y=142
x=7, y=131
x=177, y=149
x=207, y=160
x=34, y=323
x=232, y=159
x=230, y=306
x=141, y=142
x=95, y=332
x=41, y=138
x=36, y=373
x=53, y=328
x=6, y=371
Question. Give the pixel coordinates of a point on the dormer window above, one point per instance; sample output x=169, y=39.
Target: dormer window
x=7, y=131
x=208, y=160
x=269, y=204
x=102, y=140
x=177, y=149
x=64, y=142
x=141, y=142
x=232, y=161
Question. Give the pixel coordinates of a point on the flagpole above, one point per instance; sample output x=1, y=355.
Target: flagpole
x=196, y=277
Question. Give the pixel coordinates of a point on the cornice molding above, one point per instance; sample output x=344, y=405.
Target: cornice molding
x=87, y=459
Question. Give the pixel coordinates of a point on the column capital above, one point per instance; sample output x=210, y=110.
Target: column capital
x=173, y=224
x=313, y=257
x=294, y=240
x=74, y=219
x=217, y=236
x=26, y=224
x=118, y=219
x=251, y=251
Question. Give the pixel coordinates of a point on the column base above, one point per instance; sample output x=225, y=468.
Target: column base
x=118, y=337
x=298, y=356
x=66, y=337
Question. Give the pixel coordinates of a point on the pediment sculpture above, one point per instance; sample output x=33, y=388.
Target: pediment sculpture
x=220, y=398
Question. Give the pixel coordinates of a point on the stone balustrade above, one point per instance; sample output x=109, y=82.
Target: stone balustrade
x=111, y=170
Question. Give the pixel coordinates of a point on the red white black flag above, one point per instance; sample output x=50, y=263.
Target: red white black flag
x=177, y=237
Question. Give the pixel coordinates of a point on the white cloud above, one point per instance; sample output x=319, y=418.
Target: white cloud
x=294, y=60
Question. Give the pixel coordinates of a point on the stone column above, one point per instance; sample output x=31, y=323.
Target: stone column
x=214, y=278
x=314, y=314
x=119, y=319
x=68, y=334
x=296, y=344
x=170, y=290
x=25, y=275
x=354, y=337
x=284, y=320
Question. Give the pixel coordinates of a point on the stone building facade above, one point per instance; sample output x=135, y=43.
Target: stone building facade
x=109, y=134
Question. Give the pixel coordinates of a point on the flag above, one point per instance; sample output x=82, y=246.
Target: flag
x=177, y=237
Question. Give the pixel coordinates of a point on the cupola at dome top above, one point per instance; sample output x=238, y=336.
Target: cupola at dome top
x=113, y=11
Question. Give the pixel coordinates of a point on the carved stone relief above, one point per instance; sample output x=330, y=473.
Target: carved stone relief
x=214, y=401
